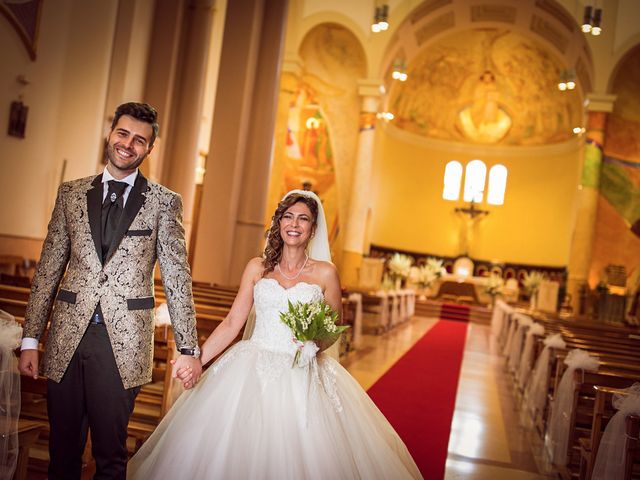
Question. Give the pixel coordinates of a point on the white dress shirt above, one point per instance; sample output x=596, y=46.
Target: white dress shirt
x=129, y=180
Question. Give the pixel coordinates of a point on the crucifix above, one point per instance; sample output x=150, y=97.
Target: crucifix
x=467, y=228
x=472, y=211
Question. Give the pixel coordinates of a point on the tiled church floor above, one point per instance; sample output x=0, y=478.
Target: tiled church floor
x=488, y=442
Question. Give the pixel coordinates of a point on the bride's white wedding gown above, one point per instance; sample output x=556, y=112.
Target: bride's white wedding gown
x=253, y=416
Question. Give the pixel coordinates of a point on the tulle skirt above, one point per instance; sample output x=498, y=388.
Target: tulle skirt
x=253, y=416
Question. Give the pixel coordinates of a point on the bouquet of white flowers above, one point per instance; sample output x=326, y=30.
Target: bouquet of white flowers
x=494, y=285
x=399, y=265
x=430, y=272
x=532, y=281
x=310, y=323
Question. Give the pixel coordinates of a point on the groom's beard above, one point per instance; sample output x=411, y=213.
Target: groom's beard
x=118, y=163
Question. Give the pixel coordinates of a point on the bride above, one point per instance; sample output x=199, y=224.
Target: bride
x=253, y=415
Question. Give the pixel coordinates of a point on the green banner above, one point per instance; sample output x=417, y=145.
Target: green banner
x=591, y=168
x=618, y=188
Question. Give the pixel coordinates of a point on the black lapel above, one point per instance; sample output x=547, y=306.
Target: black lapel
x=94, y=210
x=131, y=209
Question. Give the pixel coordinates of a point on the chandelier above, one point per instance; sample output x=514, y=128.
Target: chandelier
x=567, y=80
x=591, y=20
x=380, y=19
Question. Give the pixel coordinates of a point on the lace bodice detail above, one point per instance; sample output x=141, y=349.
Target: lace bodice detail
x=270, y=298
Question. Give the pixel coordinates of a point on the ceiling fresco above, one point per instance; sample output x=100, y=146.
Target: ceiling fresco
x=486, y=86
x=624, y=123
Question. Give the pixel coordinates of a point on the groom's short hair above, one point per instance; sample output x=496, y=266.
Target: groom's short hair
x=140, y=111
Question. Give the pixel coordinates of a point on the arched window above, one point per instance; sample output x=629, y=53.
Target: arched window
x=452, y=180
x=497, y=185
x=475, y=176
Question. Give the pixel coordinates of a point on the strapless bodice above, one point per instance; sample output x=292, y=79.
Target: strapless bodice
x=270, y=298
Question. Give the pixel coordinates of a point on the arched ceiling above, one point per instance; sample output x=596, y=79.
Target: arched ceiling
x=487, y=73
x=487, y=86
x=624, y=122
x=333, y=50
x=543, y=20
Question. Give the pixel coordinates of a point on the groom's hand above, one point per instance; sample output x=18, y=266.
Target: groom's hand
x=187, y=369
x=28, y=363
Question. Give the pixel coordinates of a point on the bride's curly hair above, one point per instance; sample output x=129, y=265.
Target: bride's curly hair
x=273, y=249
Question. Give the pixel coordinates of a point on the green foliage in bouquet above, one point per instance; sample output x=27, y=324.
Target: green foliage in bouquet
x=312, y=322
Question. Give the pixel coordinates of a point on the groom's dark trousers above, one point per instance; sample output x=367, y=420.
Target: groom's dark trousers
x=90, y=392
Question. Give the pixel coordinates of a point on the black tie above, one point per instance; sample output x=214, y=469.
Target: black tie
x=111, y=212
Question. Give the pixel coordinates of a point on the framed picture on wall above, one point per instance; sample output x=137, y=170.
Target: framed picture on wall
x=17, y=119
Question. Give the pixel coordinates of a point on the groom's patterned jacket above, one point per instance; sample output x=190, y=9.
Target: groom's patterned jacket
x=71, y=259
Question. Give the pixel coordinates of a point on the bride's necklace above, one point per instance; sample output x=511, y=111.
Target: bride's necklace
x=297, y=274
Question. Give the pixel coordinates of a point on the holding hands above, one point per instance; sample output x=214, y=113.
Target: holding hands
x=188, y=369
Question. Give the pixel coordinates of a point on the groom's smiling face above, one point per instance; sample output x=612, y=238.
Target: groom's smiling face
x=128, y=145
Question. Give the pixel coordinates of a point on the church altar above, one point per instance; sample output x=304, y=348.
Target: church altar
x=456, y=285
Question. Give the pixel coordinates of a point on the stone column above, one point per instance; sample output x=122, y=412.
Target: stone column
x=182, y=147
x=287, y=94
x=161, y=73
x=235, y=185
x=588, y=191
x=359, y=203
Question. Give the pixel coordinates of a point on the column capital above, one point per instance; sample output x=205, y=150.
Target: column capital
x=600, y=102
x=292, y=63
x=370, y=87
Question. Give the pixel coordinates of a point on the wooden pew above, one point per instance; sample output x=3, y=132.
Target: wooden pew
x=14, y=293
x=603, y=411
x=28, y=433
x=583, y=400
x=632, y=448
x=610, y=361
x=17, y=308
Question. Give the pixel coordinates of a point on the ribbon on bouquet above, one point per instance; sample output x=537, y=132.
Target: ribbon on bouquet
x=305, y=353
x=321, y=375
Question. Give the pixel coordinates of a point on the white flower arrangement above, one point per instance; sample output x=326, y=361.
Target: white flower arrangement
x=399, y=265
x=494, y=285
x=532, y=281
x=310, y=323
x=426, y=274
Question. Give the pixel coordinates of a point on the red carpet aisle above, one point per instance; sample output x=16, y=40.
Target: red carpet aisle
x=418, y=394
x=454, y=311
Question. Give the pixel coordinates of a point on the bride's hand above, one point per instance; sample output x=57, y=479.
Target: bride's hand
x=187, y=374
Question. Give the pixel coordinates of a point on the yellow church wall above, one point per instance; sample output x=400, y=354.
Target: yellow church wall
x=533, y=226
x=65, y=95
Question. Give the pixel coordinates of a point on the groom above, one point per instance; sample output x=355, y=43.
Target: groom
x=96, y=271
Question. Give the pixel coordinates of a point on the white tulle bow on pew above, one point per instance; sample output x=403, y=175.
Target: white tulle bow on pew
x=162, y=316
x=562, y=406
x=538, y=384
x=610, y=461
x=500, y=311
x=515, y=347
x=10, y=338
x=524, y=370
x=514, y=323
x=357, y=321
x=384, y=309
